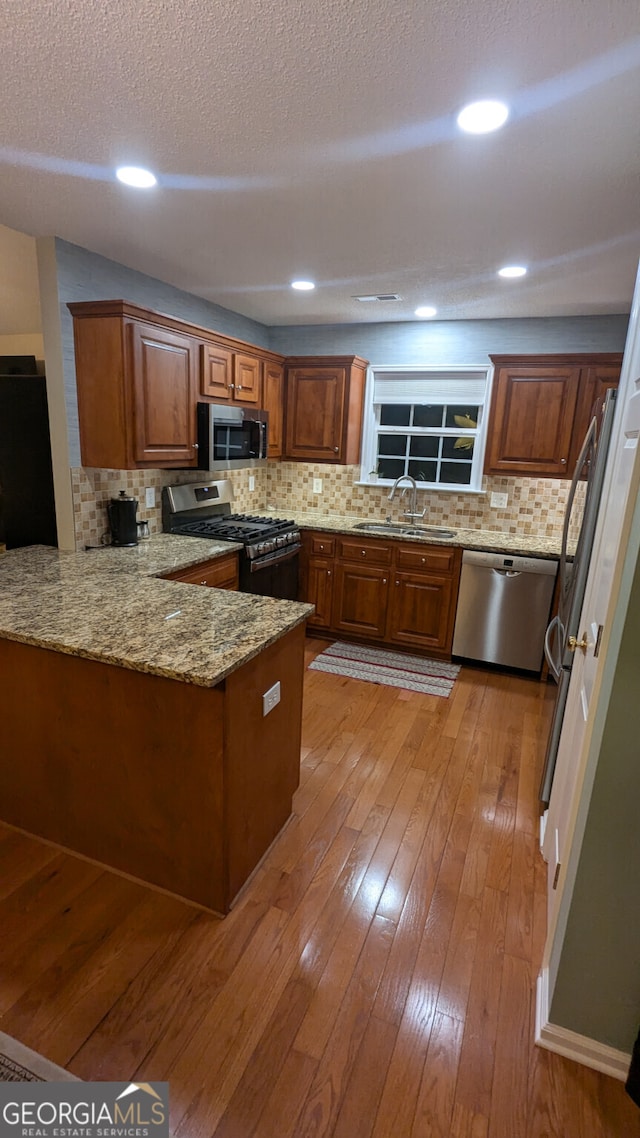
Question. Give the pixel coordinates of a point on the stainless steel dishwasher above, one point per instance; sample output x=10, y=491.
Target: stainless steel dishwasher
x=503, y=609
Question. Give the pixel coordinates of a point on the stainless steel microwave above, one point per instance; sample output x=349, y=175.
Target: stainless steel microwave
x=231, y=436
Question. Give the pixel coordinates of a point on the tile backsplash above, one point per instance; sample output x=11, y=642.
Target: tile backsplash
x=534, y=505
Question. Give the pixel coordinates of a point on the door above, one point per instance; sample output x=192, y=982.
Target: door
x=419, y=607
x=315, y=413
x=532, y=411
x=320, y=591
x=216, y=371
x=360, y=600
x=594, y=629
x=272, y=402
x=246, y=379
x=164, y=384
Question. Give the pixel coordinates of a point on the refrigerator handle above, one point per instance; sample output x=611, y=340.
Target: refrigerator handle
x=555, y=624
x=589, y=440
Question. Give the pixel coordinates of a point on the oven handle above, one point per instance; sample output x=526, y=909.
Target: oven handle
x=284, y=554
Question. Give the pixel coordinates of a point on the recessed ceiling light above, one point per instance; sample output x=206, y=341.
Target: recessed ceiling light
x=136, y=176
x=303, y=286
x=426, y=310
x=483, y=116
x=512, y=271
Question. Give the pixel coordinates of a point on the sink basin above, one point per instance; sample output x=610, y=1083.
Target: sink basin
x=405, y=530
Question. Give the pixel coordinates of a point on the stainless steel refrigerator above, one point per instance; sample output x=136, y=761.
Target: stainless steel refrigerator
x=580, y=518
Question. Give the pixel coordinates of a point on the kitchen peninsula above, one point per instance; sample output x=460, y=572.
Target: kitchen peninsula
x=132, y=713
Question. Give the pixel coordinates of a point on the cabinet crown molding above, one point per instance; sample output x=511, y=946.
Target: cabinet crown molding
x=558, y=359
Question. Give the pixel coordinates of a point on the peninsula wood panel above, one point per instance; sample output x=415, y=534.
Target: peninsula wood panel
x=347, y=992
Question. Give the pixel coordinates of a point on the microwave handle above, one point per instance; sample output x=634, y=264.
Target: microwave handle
x=263, y=439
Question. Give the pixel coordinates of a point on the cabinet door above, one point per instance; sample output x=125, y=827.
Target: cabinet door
x=531, y=421
x=246, y=378
x=216, y=371
x=594, y=382
x=319, y=591
x=420, y=612
x=315, y=413
x=272, y=401
x=360, y=600
x=163, y=373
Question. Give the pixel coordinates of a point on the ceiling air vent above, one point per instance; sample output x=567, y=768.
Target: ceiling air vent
x=378, y=296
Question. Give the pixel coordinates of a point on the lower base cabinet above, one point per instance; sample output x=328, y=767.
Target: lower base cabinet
x=219, y=573
x=398, y=594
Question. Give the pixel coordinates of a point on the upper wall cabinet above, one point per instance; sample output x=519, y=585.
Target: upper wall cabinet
x=232, y=377
x=540, y=408
x=139, y=376
x=324, y=408
x=273, y=402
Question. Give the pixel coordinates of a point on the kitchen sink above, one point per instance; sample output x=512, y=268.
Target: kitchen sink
x=405, y=530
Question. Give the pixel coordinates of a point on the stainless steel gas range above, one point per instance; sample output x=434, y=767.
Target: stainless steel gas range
x=271, y=546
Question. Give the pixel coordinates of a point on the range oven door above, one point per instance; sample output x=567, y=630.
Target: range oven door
x=275, y=575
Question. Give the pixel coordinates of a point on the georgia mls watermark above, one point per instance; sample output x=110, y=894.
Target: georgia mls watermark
x=84, y=1110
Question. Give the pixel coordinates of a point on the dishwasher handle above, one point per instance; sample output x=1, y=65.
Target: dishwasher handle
x=508, y=572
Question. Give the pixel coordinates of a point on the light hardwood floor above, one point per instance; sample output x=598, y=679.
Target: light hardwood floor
x=376, y=977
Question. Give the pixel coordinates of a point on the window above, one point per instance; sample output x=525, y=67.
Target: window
x=426, y=422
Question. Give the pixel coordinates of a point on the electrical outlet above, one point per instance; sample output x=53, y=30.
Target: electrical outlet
x=149, y=497
x=252, y=482
x=499, y=500
x=271, y=698
x=317, y=486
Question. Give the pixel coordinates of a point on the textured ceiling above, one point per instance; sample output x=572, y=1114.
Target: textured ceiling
x=318, y=139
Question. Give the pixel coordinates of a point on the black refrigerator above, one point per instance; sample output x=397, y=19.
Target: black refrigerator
x=27, y=508
x=581, y=514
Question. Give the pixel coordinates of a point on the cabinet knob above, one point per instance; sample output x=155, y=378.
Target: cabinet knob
x=384, y=580
x=563, y=461
x=203, y=582
x=231, y=386
x=336, y=449
x=322, y=548
x=363, y=552
x=239, y=387
x=423, y=560
x=328, y=572
x=397, y=582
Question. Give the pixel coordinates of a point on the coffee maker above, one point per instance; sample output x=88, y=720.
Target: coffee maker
x=122, y=519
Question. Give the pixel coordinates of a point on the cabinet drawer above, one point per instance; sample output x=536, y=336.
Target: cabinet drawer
x=366, y=552
x=424, y=557
x=321, y=545
x=221, y=573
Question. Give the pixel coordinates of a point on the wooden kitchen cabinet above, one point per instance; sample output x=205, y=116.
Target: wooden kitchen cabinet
x=540, y=410
x=136, y=384
x=140, y=374
x=273, y=403
x=401, y=595
x=219, y=573
x=317, y=575
x=229, y=376
x=324, y=400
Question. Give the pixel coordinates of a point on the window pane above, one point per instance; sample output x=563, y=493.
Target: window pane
x=458, y=472
x=458, y=448
x=394, y=415
x=428, y=415
x=424, y=447
x=392, y=444
x=390, y=467
x=465, y=416
x=423, y=471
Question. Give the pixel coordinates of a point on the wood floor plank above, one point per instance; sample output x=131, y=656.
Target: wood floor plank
x=376, y=976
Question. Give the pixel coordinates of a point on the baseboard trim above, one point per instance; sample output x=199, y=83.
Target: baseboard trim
x=570, y=1044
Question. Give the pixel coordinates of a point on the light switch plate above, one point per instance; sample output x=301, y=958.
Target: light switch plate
x=149, y=497
x=317, y=486
x=252, y=482
x=499, y=500
x=271, y=698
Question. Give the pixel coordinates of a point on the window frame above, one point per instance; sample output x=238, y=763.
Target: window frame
x=371, y=426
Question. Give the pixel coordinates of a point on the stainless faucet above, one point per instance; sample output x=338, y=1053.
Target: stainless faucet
x=413, y=511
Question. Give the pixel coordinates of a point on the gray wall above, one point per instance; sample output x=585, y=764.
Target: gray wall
x=453, y=341
x=597, y=991
x=87, y=276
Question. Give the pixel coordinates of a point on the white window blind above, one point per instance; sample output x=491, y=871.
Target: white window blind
x=431, y=387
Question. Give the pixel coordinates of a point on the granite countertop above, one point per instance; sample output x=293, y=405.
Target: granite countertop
x=108, y=605
x=525, y=545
